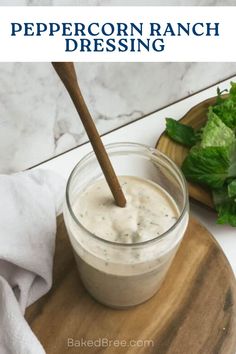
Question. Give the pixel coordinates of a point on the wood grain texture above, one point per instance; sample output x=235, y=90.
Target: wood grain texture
x=196, y=118
x=193, y=313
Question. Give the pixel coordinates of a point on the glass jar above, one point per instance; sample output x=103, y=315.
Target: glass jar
x=116, y=274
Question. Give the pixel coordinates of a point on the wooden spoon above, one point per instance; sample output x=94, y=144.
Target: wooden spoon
x=67, y=74
x=196, y=118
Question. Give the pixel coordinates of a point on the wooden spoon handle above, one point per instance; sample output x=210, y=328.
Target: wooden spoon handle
x=67, y=74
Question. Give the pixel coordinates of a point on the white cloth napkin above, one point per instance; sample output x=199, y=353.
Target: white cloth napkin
x=29, y=203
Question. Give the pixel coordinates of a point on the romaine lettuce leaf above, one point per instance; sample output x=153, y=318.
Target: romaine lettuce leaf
x=225, y=109
x=215, y=132
x=210, y=166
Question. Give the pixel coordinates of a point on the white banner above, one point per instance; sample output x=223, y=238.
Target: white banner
x=106, y=34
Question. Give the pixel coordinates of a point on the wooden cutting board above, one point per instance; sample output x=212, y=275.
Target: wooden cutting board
x=193, y=313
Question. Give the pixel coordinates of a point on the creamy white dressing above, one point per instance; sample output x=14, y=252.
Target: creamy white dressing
x=149, y=212
x=116, y=275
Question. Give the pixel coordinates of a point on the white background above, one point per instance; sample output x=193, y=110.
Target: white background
x=182, y=48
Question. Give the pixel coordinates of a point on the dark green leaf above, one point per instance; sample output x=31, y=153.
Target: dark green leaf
x=225, y=206
x=232, y=189
x=180, y=133
x=219, y=98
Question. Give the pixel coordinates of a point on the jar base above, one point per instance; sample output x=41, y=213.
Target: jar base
x=120, y=307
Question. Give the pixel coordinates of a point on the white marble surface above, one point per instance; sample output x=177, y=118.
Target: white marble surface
x=38, y=121
x=117, y=2
x=146, y=131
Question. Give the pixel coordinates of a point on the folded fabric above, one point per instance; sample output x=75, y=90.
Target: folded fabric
x=29, y=203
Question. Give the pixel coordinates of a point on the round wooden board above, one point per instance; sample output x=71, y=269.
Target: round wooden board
x=193, y=313
x=196, y=118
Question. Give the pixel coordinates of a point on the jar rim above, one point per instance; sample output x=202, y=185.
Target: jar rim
x=150, y=150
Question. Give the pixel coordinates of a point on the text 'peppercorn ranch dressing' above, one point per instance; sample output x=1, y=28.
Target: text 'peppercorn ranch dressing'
x=149, y=212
